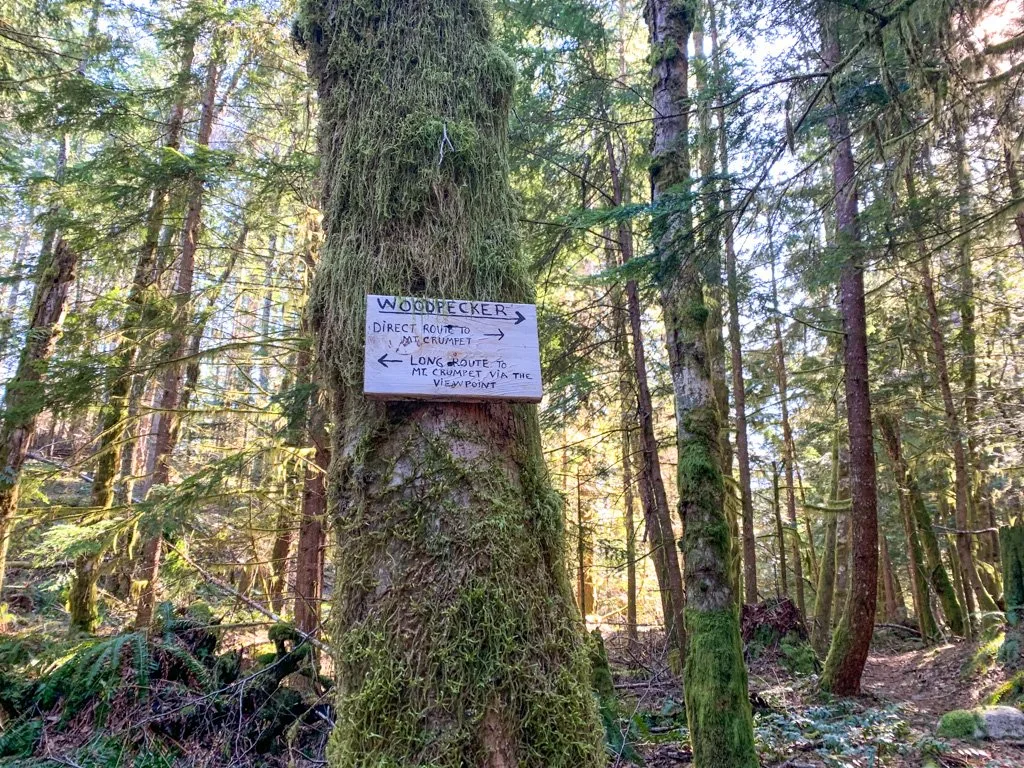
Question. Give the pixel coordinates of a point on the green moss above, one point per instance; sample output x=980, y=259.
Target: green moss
x=960, y=724
x=601, y=673
x=1011, y=547
x=455, y=621
x=798, y=656
x=842, y=639
x=717, y=703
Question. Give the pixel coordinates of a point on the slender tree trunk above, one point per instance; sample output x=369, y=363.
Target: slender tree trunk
x=653, y=499
x=888, y=426
x=988, y=543
x=25, y=394
x=717, y=704
x=851, y=640
x=891, y=591
x=309, y=558
x=931, y=563
x=584, y=553
x=1016, y=188
x=629, y=522
x=82, y=600
x=821, y=625
x=173, y=380
x=735, y=340
x=788, y=448
x=451, y=581
x=780, y=534
x=961, y=480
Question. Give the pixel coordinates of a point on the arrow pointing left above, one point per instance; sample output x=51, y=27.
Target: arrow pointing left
x=384, y=360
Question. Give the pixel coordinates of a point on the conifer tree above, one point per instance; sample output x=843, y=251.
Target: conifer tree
x=458, y=641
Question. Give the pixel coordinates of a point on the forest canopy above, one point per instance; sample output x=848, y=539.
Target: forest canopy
x=776, y=251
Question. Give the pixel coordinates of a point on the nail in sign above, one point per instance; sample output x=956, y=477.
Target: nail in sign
x=451, y=349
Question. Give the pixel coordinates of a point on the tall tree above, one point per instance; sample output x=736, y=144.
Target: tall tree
x=440, y=508
x=788, y=445
x=25, y=395
x=717, y=704
x=852, y=637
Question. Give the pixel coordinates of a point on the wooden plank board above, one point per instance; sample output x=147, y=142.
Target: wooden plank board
x=451, y=349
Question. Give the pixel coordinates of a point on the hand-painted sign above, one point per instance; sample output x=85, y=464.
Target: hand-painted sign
x=451, y=349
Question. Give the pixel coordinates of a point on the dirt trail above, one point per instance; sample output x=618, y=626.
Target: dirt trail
x=929, y=681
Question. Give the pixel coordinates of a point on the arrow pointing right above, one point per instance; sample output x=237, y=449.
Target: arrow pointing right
x=499, y=335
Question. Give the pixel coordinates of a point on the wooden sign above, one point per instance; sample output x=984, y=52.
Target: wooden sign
x=451, y=349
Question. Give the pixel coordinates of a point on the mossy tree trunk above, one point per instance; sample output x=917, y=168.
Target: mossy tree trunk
x=852, y=637
x=25, y=395
x=457, y=639
x=650, y=481
x=1011, y=552
x=717, y=705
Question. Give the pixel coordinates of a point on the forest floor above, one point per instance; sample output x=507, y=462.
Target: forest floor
x=905, y=690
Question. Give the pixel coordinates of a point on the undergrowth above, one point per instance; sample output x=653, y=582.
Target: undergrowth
x=147, y=700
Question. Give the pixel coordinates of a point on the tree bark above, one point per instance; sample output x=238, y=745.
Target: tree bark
x=82, y=600
x=457, y=639
x=932, y=564
x=851, y=640
x=717, y=704
x=739, y=394
x=25, y=395
x=653, y=499
x=173, y=380
x=788, y=447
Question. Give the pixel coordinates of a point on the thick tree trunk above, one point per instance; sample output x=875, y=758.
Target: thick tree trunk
x=25, y=394
x=457, y=641
x=851, y=640
x=717, y=704
x=788, y=448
